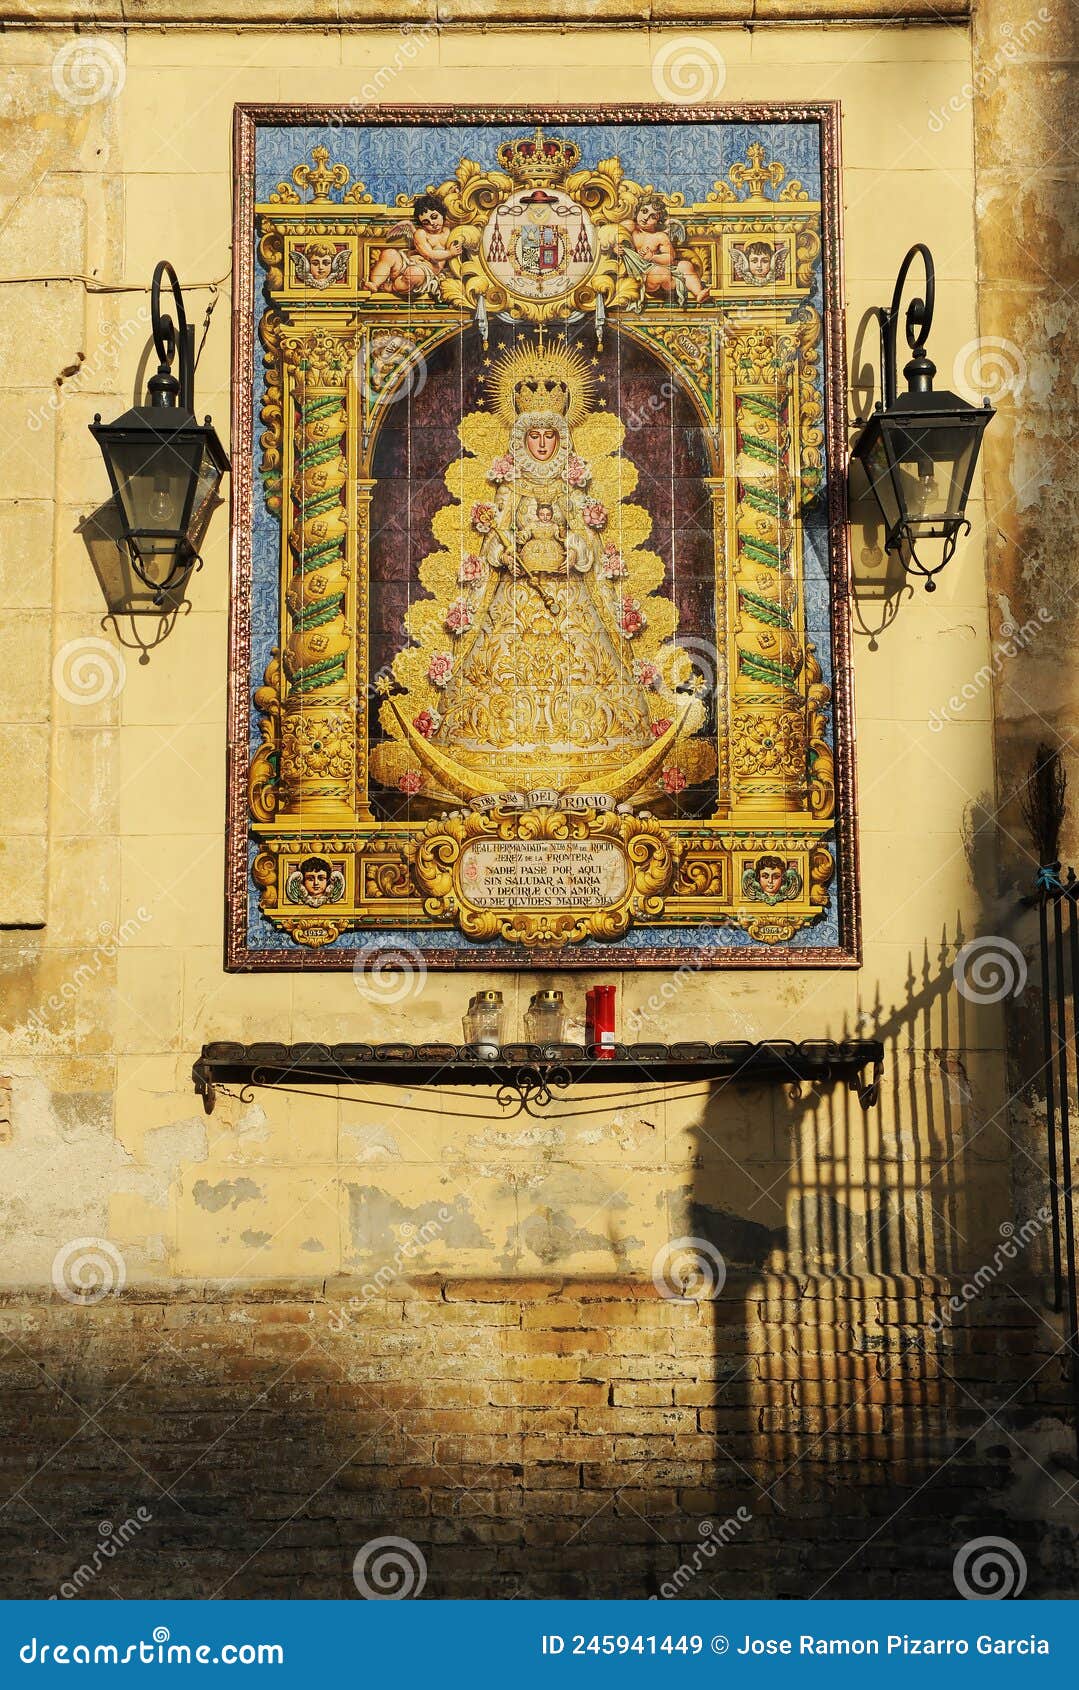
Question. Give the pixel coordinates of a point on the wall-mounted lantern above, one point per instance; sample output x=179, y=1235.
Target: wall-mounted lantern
x=919, y=450
x=165, y=468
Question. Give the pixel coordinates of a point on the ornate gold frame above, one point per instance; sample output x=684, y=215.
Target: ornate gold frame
x=306, y=786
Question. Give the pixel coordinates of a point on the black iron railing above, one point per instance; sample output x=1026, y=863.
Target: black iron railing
x=1058, y=933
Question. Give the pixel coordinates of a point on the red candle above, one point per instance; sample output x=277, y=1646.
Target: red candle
x=604, y=1013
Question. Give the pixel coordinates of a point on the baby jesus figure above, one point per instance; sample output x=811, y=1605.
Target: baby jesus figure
x=542, y=542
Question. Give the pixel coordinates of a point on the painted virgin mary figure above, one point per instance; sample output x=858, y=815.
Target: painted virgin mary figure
x=544, y=680
x=540, y=683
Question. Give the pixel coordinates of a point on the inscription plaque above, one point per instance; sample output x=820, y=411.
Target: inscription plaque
x=543, y=874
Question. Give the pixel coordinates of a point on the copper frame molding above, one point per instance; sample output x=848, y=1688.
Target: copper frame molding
x=239, y=957
x=354, y=16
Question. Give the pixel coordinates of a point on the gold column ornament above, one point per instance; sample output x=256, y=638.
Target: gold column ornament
x=318, y=726
x=767, y=749
x=365, y=695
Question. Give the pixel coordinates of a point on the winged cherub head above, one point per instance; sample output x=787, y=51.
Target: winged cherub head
x=319, y=265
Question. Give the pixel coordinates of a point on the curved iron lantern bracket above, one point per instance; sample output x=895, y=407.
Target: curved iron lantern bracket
x=919, y=449
x=919, y=321
x=170, y=337
x=165, y=468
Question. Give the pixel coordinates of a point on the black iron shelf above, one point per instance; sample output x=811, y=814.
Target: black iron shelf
x=528, y=1076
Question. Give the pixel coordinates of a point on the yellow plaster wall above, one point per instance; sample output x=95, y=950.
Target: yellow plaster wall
x=105, y=1006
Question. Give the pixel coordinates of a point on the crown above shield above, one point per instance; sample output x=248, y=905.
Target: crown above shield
x=538, y=157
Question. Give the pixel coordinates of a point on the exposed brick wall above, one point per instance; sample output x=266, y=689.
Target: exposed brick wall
x=542, y=1438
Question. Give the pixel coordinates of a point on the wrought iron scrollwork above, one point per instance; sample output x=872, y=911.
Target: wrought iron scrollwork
x=527, y=1077
x=532, y=1089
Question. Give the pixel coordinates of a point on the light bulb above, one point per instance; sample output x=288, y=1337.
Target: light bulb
x=928, y=492
x=160, y=505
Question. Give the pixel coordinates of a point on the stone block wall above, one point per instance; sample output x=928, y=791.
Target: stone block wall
x=549, y=1437
x=560, y=1435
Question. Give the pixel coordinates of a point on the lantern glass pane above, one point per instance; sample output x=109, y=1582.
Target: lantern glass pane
x=933, y=461
x=154, y=478
x=879, y=474
x=209, y=480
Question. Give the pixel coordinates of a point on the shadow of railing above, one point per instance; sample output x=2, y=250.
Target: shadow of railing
x=871, y=1397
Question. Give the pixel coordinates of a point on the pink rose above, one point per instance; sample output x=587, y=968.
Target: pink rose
x=440, y=668
x=595, y=514
x=483, y=518
x=501, y=469
x=660, y=728
x=410, y=782
x=458, y=617
x=427, y=722
x=630, y=617
x=645, y=674
x=471, y=568
x=674, y=780
x=614, y=564
x=578, y=473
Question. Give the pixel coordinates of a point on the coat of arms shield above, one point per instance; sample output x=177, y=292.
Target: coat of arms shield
x=539, y=243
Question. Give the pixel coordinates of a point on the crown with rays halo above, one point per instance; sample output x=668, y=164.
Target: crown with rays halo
x=556, y=378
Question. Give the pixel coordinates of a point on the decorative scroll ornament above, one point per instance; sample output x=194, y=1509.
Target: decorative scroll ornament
x=320, y=178
x=754, y=176
x=643, y=857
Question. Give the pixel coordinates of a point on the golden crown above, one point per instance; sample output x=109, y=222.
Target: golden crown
x=549, y=378
x=541, y=395
x=531, y=377
x=538, y=157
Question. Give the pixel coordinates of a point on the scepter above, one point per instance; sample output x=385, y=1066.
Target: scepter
x=510, y=546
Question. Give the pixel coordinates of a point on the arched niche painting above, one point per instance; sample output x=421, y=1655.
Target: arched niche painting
x=539, y=642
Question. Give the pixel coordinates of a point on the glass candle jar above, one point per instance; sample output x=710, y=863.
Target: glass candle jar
x=483, y=1023
x=545, y=1019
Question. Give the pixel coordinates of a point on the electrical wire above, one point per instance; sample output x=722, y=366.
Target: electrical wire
x=92, y=285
